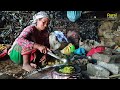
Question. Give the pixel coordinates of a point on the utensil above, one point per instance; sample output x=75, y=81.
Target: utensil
x=57, y=57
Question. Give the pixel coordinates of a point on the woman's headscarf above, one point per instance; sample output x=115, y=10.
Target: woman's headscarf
x=39, y=15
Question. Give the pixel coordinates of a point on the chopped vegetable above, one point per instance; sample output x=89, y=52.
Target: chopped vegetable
x=67, y=70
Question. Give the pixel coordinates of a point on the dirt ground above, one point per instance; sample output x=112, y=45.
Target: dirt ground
x=10, y=70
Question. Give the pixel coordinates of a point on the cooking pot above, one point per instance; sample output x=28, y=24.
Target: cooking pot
x=56, y=74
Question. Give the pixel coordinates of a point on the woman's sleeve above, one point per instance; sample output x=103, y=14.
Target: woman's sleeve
x=22, y=38
x=47, y=39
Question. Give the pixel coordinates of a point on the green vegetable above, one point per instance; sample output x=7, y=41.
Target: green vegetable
x=67, y=70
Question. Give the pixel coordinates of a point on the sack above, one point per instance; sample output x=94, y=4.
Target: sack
x=80, y=51
x=54, y=43
x=73, y=15
x=70, y=48
x=57, y=40
x=60, y=36
x=98, y=49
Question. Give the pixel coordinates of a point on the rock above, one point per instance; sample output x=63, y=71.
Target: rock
x=114, y=68
x=102, y=41
x=115, y=59
x=85, y=44
x=109, y=42
x=108, y=34
x=96, y=70
x=117, y=33
x=101, y=57
x=117, y=40
x=105, y=26
x=94, y=77
x=116, y=25
x=51, y=15
x=108, y=51
x=1, y=74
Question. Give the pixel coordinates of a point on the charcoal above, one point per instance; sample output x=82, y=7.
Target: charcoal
x=10, y=20
x=88, y=30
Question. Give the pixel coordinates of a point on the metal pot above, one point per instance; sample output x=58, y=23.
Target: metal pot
x=58, y=75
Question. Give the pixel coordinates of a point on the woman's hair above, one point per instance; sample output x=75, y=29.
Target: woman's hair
x=39, y=15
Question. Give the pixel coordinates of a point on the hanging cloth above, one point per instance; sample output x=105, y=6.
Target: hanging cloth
x=73, y=15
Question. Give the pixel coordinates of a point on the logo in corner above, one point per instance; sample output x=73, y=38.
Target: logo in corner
x=111, y=16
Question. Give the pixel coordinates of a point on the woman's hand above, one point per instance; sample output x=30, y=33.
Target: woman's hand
x=41, y=48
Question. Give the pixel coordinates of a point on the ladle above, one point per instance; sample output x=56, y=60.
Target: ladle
x=57, y=57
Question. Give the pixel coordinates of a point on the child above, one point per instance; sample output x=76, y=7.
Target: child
x=33, y=39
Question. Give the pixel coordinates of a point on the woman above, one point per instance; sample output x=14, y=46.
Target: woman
x=33, y=41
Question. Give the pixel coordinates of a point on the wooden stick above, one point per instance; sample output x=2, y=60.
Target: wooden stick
x=113, y=76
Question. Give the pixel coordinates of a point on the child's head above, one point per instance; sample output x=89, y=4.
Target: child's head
x=41, y=20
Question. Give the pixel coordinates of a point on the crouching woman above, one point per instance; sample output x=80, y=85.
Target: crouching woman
x=33, y=40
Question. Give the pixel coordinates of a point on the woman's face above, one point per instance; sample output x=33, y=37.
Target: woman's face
x=42, y=24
